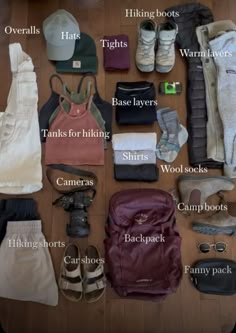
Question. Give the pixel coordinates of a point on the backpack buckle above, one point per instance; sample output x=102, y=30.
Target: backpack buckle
x=141, y=218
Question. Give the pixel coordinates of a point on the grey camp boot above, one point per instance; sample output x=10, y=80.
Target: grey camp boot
x=194, y=190
x=222, y=222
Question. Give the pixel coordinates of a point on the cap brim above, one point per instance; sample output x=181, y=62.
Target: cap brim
x=61, y=53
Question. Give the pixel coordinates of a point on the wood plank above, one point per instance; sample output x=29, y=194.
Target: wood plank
x=186, y=311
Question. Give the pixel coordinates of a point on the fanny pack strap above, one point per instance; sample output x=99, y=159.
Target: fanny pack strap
x=73, y=171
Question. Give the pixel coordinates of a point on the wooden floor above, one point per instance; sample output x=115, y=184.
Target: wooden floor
x=187, y=311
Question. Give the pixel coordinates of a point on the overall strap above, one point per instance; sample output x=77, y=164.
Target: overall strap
x=17, y=57
x=74, y=171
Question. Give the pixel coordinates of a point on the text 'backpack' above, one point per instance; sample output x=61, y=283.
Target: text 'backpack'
x=143, y=245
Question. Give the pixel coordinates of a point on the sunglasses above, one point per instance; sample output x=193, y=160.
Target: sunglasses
x=206, y=247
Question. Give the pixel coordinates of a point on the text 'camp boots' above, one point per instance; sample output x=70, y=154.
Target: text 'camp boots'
x=165, y=56
x=194, y=190
x=145, y=54
x=222, y=222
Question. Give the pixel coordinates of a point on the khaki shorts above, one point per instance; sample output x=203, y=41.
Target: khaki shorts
x=26, y=272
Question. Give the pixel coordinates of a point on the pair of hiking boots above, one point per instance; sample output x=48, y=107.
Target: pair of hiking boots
x=194, y=191
x=162, y=58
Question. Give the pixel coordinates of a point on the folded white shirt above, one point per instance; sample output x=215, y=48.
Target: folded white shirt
x=134, y=141
x=134, y=157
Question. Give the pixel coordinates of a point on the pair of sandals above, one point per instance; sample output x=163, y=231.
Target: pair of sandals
x=76, y=280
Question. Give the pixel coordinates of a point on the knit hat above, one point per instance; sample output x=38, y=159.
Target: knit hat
x=84, y=59
x=60, y=30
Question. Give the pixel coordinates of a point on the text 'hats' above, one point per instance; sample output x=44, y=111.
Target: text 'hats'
x=84, y=59
x=61, y=30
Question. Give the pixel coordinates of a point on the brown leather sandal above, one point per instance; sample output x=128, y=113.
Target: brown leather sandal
x=94, y=277
x=70, y=280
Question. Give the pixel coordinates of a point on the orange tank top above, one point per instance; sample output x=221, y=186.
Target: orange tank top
x=75, y=138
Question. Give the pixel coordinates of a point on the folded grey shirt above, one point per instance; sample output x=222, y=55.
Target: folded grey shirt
x=134, y=157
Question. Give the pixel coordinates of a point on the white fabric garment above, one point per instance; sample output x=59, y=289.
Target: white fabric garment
x=26, y=272
x=135, y=157
x=20, y=148
x=134, y=141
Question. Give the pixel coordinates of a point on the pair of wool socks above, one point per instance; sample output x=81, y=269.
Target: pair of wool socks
x=174, y=135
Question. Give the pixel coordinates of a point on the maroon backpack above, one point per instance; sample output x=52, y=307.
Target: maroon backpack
x=143, y=245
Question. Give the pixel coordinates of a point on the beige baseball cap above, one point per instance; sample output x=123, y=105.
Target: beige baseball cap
x=60, y=30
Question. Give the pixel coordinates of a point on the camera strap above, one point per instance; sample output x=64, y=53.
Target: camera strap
x=74, y=171
x=76, y=201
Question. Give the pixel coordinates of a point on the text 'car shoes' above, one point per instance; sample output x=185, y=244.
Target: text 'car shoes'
x=82, y=276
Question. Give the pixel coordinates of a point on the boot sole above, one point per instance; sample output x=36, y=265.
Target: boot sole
x=164, y=69
x=213, y=230
x=185, y=178
x=145, y=69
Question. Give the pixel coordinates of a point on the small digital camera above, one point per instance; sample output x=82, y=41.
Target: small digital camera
x=170, y=88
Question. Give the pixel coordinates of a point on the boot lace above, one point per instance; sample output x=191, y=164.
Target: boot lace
x=164, y=47
x=146, y=47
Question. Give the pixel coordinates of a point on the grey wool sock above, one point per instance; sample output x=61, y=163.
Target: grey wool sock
x=168, y=155
x=164, y=136
x=171, y=121
x=177, y=136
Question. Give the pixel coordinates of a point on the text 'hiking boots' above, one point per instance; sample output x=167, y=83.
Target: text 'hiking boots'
x=165, y=56
x=145, y=53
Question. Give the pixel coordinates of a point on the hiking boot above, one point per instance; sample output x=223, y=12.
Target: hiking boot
x=165, y=56
x=194, y=190
x=145, y=53
x=220, y=223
